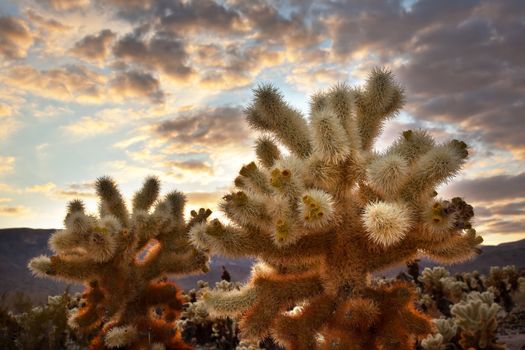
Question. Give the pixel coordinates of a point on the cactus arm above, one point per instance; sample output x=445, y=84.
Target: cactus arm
x=456, y=249
x=58, y=268
x=270, y=113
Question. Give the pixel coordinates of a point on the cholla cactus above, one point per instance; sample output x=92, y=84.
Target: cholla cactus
x=201, y=328
x=123, y=259
x=476, y=318
x=443, y=289
x=473, y=280
x=446, y=330
x=506, y=284
x=323, y=217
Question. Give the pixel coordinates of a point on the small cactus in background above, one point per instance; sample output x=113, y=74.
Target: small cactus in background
x=506, y=284
x=325, y=216
x=123, y=259
x=201, y=328
x=476, y=319
x=472, y=325
x=440, y=290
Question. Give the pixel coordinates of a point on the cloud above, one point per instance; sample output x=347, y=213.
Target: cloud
x=65, y=5
x=51, y=112
x=13, y=210
x=7, y=188
x=205, y=128
x=94, y=47
x=190, y=166
x=204, y=199
x=134, y=83
x=105, y=121
x=490, y=188
x=252, y=39
x=15, y=37
x=166, y=53
x=76, y=190
x=80, y=84
x=469, y=72
x=501, y=217
x=69, y=83
x=196, y=16
x=233, y=65
x=42, y=188
x=5, y=110
x=46, y=24
x=459, y=60
x=6, y=164
x=70, y=191
x=514, y=208
x=301, y=29
x=506, y=227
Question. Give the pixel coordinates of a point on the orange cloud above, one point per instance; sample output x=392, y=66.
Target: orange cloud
x=70, y=83
x=13, y=210
x=65, y=5
x=6, y=164
x=15, y=37
x=71, y=191
x=46, y=24
x=192, y=166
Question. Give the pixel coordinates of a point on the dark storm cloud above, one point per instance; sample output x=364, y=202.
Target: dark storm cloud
x=94, y=47
x=492, y=188
x=213, y=127
x=15, y=37
x=137, y=84
x=166, y=53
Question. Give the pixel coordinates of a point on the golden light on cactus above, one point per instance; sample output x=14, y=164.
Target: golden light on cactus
x=123, y=259
x=386, y=223
x=332, y=212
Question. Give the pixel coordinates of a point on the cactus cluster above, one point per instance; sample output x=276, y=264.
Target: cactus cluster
x=477, y=307
x=201, y=328
x=321, y=210
x=474, y=324
x=123, y=258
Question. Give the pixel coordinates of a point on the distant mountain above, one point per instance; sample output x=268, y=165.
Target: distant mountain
x=19, y=245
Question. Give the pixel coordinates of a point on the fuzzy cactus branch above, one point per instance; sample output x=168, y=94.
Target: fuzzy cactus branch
x=124, y=259
x=336, y=211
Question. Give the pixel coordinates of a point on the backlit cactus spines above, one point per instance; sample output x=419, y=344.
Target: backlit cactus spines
x=123, y=259
x=476, y=318
x=324, y=216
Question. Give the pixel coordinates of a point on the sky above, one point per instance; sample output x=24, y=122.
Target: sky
x=130, y=88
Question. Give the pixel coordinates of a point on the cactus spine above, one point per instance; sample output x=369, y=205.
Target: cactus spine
x=123, y=259
x=323, y=218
